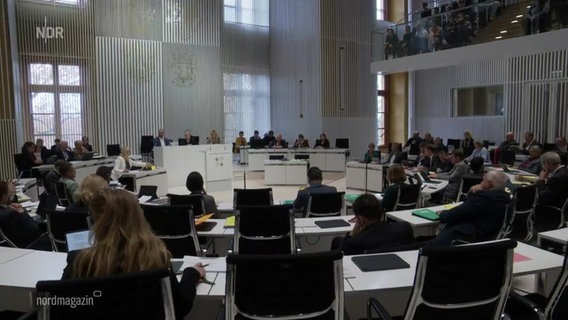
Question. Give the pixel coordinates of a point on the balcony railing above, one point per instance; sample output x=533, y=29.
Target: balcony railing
x=463, y=26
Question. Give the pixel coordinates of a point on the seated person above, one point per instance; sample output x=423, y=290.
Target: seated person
x=395, y=154
x=428, y=138
x=29, y=159
x=509, y=143
x=441, y=162
x=123, y=163
x=213, y=138
x=62, y=151
x=371, y=153
x=371, y=230
x=68, y=179
x=79, y=150
x=529, y=142
x=479, y=151
x=315, y=178
x=454, y=176
x=126, y=244
x=395, y=176
x=301, y=142
x=476, y=167
x=15, y=222
x=89, y=187
x=161, y=140
x=480, y=216
x=269, y=139
x=414, y=140
x=187, y=139
x=424, y=159
x=561, y=144
x=533, y=163
x=194, y=183
x=40, y=149
x=104, y=172
x=255, y=137
x=278, y=143
x=439, y=144
x=50, y=181
x=323, y=142
x=86, y=145
x=552, y=189
x=240, y=141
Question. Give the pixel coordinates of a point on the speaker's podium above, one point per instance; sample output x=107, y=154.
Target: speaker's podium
x=213, y=161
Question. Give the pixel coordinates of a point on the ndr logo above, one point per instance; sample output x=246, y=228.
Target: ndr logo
x=46, y=32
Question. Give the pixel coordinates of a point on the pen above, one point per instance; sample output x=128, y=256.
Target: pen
x=205, y=265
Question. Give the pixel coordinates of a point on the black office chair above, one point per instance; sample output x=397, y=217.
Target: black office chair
x=19, y=162
x=196, y=202
x=297, y=286
x=59, y=223
x=507, y=157
x=548, y=147
x=524, y=198
x=414, y=150
x=342, y=143
x=5, y=241
x=463, y=282
x=252, y=197
x=486, y=144
x=408, y=196
x=175, y=225
x=146, y=145
x=113, y=150
x=61, y=193
x=508, y=218
x=548, y=218
x=325, y=204
x=141, y=295
x=264, y=230
x=466, y=184
x=454, y=142
x=536, y=306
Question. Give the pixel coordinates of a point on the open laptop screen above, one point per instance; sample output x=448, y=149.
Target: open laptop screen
x=78, y=240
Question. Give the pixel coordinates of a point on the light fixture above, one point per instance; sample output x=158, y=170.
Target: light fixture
x=519, y=16
x=514, y=21
x=499, y=37
x=503, y=31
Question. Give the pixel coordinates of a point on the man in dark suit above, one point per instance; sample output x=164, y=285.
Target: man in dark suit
x=552, y=188
x=15, y=222
x=315, y=178
x=63, y=152
x=161, y=140
x=371, y=230
x=480, y=216
x=51, y=178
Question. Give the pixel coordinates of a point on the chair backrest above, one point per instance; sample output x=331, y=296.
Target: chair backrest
x=18, y=161
x=548, y=147
x=196, y=201
x=524, y=199
x=325, y=204
x=508, y=219
x=146, y=144
x=61, y=192
x=175, y=225
x=4, y=240
x=485, y=144
x=557, y=306
x=454, y=142
x=141, y=295
x=507, y=157
x=299, y=286
x=113, y=150
x=252, y=197
x=469, y=281
x=342, y=143
x=408, y=195
x=466, y=184
x=264, y=230
x=59, y=223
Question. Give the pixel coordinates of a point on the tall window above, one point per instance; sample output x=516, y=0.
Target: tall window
x=380, y=9
x=247, y=12
x=381, y=103
x=56, y=101
x=246, y=104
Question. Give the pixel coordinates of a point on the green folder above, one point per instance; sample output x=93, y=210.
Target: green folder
x=426, y=214
x=287, y=202
x=230, y=222
x=351, y=197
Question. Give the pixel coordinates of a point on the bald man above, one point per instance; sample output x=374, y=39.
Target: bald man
x=480, y=216
x=510, y=143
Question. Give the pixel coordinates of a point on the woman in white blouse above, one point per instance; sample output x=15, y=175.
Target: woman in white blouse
x=123, y=163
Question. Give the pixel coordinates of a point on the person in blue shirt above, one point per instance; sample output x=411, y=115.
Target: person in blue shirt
x=479, y=151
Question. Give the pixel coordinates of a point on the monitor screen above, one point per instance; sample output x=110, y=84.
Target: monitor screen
x=342, y=143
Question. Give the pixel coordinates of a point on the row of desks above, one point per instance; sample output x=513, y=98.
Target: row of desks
x=21, y=269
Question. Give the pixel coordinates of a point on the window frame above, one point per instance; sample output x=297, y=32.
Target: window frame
x=386, y=99
x=238, y=7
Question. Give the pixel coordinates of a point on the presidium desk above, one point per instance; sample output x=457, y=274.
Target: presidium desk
x=213, y=161
x=325, y=159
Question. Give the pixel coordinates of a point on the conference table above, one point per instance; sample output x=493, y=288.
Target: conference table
x=285, y=172
x=364, y=176
x=21, y=269
x=28, y=187
x=325, y=159
x=82, y=168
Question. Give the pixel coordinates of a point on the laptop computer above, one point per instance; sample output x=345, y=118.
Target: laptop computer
x=78, y=240
x=506, y=169
x=87, y=156
x=148, y=191
x=427, y=179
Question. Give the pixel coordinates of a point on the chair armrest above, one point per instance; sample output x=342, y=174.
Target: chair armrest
x=518, y=304
x=30, y=315
x=221, y=312
x=374, y=304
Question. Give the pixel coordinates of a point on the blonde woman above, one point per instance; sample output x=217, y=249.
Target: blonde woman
x=213, y=138
x=467, y=142
x=88, y=188
x=123, y=163
x=124, y=243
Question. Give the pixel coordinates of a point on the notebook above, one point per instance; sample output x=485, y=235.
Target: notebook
x=336, y=223
x=426, y=214
x=230, y=222
x=287, y=202
x=351, y=197
x=427, y=178
x=78, y=240
x=379, y=262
